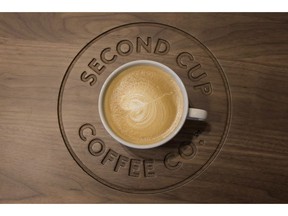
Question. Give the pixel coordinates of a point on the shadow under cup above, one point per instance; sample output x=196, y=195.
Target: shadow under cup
x=143, y=104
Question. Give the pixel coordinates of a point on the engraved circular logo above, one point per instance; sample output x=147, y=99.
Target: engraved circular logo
x=159, y=169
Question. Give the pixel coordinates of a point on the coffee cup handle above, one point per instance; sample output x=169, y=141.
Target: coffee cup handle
x=196, y=114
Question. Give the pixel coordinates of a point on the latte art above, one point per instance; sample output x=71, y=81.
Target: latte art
x=143, y=104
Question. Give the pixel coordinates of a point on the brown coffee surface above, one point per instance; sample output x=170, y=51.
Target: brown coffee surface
x=143, y=104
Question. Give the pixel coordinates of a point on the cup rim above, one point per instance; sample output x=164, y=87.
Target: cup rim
x=164, y=68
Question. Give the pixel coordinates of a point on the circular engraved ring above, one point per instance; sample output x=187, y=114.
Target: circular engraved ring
x=159, y=169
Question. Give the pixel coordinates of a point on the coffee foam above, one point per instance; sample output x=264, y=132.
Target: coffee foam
x=143, y=104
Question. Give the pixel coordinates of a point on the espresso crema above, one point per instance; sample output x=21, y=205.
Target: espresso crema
x=143, y=104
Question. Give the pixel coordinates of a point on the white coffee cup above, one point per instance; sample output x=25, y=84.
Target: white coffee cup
x=188, y=113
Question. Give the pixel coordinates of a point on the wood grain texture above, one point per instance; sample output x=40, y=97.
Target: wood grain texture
x=35, y=51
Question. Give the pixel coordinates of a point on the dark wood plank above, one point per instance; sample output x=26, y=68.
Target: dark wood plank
x=35, y=52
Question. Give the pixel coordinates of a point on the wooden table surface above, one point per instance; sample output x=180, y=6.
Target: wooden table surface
x=37, y=48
